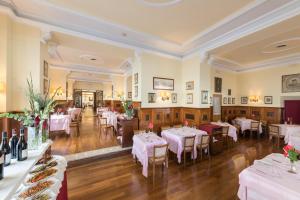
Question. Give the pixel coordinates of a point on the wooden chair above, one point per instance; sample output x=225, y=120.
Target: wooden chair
x=204, y=145
x=254, y=127
x=225, y=130
x=189, y=143
x=104, y=125
x=240, y=162
x=165, y=128
x=251, y=154
x=76, y=124
x=264, y=126
x=274, y=131
x=135, y=132
x=177, y=126
x=160, y=157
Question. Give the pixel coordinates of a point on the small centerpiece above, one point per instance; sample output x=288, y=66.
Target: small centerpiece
x=35, y=119
x=128, y=108
x=291, y=153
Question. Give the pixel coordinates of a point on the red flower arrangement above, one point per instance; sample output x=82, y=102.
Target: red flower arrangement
x=150, y=125
x=186, y=123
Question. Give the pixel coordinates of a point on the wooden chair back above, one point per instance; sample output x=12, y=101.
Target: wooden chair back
x=254, y=125
x=225, y=130
x=274, y=130
x=103, y=121
x=135, y=132
x=189, y=143
x=204, y=141
x=165, y=128
x=239, y=162
x=177, y=126
x=160, y=153
x=251, y=154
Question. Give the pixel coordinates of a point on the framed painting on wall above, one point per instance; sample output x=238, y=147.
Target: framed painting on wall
x=189, y=85
x=229, y=100
x=229, y=92
x=46, y=86
x=224, y=100
x=136, y=91
x=189, y=98
x=46, y=69
x=174, y=97
x=268, y=99
x=291, y=83
x=163, y=83
x=204, y=97
x=244, y=100
x=136, y=78
x=232, y=100
x=218, y=84
x=151, y=97
x=129, y=95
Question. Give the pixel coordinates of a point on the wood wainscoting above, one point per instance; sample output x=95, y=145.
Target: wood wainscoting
x=7, y=125
x=115, y=105
x=269, y=114
x=171, y=116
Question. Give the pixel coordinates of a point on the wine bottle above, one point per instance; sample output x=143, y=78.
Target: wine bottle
x=22, y=147
x=13, y=142
x=5, y=149
x=1, y=165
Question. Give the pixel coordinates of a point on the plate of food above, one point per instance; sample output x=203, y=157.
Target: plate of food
x=42, y=167
x=30, y=192
x=47, y=173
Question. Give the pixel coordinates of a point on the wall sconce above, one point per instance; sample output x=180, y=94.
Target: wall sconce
x=254, y=99
x=165, y=96
x=59, y=92
x=2, y=86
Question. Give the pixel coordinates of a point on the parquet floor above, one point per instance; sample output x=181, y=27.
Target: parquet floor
x=121, y=177
x=89, y=139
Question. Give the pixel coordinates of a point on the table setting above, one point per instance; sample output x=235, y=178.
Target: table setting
x=232, y=132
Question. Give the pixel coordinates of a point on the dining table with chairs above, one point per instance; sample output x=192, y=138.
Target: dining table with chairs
x=290, y=133
x=112, y=118
x=232, y=131
x=248, y=124
x=60, y=123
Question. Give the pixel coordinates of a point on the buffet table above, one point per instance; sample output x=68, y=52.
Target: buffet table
x=142, y=148
x=269, y=178
x=175, y=138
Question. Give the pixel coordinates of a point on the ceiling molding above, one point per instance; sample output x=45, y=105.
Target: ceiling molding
x=89, y=80
x=87, y=69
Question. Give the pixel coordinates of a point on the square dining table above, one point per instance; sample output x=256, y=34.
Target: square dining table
x=291, y=133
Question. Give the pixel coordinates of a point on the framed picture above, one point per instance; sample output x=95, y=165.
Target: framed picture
x=224, y=100
x=218, y=84
x=174, y=97
x=204, y=97
x=151, y=97
x=232, y=100
x=46, y=68
x=268, y=99
x=46, y=85
x=229, y=92
x=291, y=83
x=136, y=91
x=244, y=100
x=189, y=85
x=229, y=100
x=136, y=78
x=129, y=95
x=163, y=83
x=189, y=98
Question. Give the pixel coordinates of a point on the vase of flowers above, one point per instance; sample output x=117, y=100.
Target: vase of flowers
x=128, y=108
x=36, y=118
x=291, y=153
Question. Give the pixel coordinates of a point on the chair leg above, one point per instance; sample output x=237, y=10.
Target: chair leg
x=183, y=158
x=208, y=152
x=153, y=165
x=201, y=153
x=278, y=142
x=193, y=153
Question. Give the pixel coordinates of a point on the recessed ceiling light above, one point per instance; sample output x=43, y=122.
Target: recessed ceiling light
x=281, y=45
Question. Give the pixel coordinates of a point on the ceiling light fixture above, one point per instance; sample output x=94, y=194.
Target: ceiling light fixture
x=159, y=3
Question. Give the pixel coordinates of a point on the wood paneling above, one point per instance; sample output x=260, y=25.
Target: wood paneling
x=269, y=114
x=115, y=105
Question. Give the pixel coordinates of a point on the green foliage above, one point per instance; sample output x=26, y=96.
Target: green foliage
x=293, y=155
x=40, y=106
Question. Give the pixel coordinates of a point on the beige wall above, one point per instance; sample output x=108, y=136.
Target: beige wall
x=157, y=66
x=266, y=82
x=58, y=79
x=20, y=51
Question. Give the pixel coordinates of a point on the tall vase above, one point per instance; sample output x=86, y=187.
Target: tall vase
x=45, y=131
x=293, y=168
x=34, y=138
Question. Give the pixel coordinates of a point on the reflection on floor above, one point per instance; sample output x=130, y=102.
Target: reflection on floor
x=121, y=177
x=89, y=139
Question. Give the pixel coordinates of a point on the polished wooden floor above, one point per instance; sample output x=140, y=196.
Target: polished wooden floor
x=121, y=177
x=89, y=138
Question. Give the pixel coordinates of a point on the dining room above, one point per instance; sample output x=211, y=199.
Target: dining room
x=150, y=99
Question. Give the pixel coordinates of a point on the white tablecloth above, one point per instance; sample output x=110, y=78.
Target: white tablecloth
x=60, y=122
x=231, y=131
x=73, y=112
x=269, y=179
x=245, y=124
x=112, y=118
x=143, y=148
x=175, y=138
x=102, y=109
x=291, y=134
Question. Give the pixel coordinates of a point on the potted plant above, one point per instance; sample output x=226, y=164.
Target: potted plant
x=128, y=108
x=291, y=153
x=36, y=118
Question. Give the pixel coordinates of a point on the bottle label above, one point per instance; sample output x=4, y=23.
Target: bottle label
x=24, y=153
x=7, y=158
x=2, y=159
